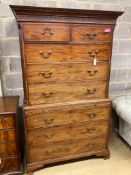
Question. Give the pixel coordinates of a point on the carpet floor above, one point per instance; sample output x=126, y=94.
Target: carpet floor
x=118, y=164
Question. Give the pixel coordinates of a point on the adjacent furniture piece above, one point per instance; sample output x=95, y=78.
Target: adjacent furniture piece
x=122, y=106
x=66, y=56
x=10, y=162
x=0, y=87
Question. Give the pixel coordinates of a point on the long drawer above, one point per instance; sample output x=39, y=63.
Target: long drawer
x=68, y=148
x=7, y=122
x=67, y=132
x=47, y=116
x=61, y=92
x=9, y=164
x=7, y=136
x=66, y=52
x=67, y=72
x=8, y=150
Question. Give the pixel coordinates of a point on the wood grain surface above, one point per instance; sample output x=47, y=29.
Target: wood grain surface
x=37, y=73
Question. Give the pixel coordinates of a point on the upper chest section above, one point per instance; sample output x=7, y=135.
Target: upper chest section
x=64, y=25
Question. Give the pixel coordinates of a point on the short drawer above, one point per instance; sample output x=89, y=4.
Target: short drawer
x=65, y=52
x=62, y=92
x=68, y=148
x=46, y=32
x=8, y=150
x=67, y=72
x=9, y=164
x=7, y=136
x=91, y=33
x=52, y=116
x=7, y=121
x=67, y=132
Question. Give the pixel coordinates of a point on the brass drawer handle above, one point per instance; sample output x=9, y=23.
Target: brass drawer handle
x=45, y=55
x=92, y=72
x=91, y=35
x=47, y=94
x=93, y=53
x=91, y=91
x=91, y=130
x=49, y=120
x=90, y=145
x=48, y=135
x=91, y=115
x=47, y=30
x=46, y=74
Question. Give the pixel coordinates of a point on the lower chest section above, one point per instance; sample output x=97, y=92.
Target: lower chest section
x=65, y=130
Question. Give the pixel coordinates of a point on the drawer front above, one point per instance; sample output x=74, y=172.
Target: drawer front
x=91, y=33
x=8, y=150
x=7, y=136
x=67, y=132
x=69, y=148
x=67, y=72
x=51, y=117
x=7, y=122
x=8, y=165
x=60, y=52
x=61, y=92
x=46, y=32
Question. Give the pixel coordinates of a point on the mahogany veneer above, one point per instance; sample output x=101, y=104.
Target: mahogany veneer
x=10, y=162
x=66, y=56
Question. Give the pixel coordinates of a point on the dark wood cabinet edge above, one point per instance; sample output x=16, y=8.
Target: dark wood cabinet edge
x=67, y=42
x=37, y=165
x=66, y=63
x=63, y=12
x=17, y=140
x=67, y=105
x=18, y=143
x=23, y=62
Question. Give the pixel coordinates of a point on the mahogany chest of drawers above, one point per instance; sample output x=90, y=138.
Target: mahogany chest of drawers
x=10, y=162
x=66, y=57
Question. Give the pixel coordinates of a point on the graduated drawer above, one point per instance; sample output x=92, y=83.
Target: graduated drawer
x=9, y=164
x=52, y=116
x=46, y=32
x=7, y=136
x=7, y=121
x=66, y=72
x=67, y=132
x=66, y=52
x=8, y=150
x=64, y=149
x=92, y=33
x=61, y=92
